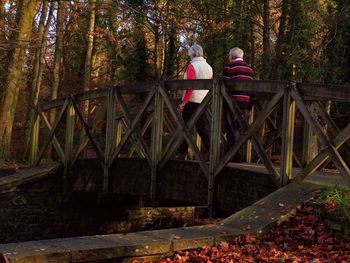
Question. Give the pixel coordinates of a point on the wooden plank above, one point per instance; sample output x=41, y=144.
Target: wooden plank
x=89, y=95
x=331, y=150
x=197, y=84
x=255, y=86
x=48, y=105
x=143, y=87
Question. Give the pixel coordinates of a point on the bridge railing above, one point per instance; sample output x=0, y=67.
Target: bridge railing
x=154, y=129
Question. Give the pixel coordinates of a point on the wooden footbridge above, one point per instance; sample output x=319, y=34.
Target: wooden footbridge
x=142, y=120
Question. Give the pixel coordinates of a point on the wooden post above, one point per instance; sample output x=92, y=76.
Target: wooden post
x=156, y=143
x=35, y=127
x=248, y=153
x=310, y=143
x=110, y=137
x=287, y=137
x=70, y=119
x=118, y=132
x=214, y=142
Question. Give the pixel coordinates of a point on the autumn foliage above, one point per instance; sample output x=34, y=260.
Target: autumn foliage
x=303, y=238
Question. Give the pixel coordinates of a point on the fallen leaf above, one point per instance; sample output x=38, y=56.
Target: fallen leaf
x=247, y=227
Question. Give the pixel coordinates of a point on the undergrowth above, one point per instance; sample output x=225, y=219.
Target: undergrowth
x=337, y=199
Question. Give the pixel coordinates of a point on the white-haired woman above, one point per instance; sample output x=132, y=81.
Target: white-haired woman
x=191, y=99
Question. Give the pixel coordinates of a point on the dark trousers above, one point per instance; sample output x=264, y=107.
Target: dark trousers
x=202, y=126
x=232, y=129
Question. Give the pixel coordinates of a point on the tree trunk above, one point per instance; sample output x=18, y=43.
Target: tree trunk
x=88, y=56
x=280, y=40
x=39, y=56
x=9, y=94
x=39, y=61
x=2, y=24
x=3, y=52
x=266, y=41
x=58, y=54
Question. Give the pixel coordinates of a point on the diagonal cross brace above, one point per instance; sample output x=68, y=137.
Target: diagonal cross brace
x=329, y=148
x=133, y=127
x=136, y=135
x=52, y=132
x=322, y=157
x=183, y=130
x=251, y=133
x=95, y=145
x=54, y=139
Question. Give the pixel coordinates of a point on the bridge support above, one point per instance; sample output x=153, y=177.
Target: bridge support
x=287, y=137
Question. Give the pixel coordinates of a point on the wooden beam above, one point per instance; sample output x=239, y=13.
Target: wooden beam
x=156, y=141
x=324, y=92
x=214, y=142
x=110, y=137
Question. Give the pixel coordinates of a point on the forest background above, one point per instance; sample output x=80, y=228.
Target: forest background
x=53, y=48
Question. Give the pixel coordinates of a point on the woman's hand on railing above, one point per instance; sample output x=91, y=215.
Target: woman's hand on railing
x=181, y=106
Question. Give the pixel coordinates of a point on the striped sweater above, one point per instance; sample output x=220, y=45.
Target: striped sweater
x=238, y=69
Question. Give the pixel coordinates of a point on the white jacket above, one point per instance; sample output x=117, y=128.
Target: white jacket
x=203, y=71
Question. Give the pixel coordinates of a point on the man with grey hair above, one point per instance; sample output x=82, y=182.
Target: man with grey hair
x=237, y=69
x=191, y=99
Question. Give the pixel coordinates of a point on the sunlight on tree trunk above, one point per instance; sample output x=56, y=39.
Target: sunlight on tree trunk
x=88, y=56
x=58, y=54
x=9, y=95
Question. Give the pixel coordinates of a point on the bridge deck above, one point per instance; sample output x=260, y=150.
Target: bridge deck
x=331, y=177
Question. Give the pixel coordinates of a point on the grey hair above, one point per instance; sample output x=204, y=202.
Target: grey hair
x=195, y=51
x=235, y=52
